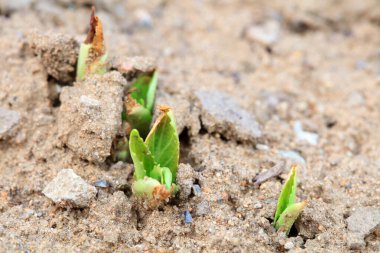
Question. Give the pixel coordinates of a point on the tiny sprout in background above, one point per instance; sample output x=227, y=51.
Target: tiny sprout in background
x=92, y=54
x=287, y=210
x=156, y=159
x=139, y=103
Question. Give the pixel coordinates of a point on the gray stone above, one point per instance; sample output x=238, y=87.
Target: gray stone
x=69, y=189
x=289, y=245
x=221, y=114
x=360, y=224
x=8, y=122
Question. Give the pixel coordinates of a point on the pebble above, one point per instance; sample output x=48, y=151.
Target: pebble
x=187, y=216
x=8, y=122
x=197, y=190
x=233, y=122
x=262, y=147
x=289, y=245
x=311, y=138
x=258, y=205
x=102, y=183
x=292, y=155
x=266, y=34
x=143, y=18
x=69, y=189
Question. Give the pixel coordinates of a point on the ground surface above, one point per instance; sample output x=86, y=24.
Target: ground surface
x=319, y=64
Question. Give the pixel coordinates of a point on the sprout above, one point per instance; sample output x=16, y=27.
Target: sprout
x=156, y=158
x=287, y=210
x=92, y=53
x=139, y=103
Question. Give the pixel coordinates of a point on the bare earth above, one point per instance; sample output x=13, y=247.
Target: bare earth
x=296, y=81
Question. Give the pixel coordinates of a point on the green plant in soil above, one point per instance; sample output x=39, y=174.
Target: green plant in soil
x=287, y=210
x=138, y=112
x=139, y=103
x=92, y=53
x=156, y=158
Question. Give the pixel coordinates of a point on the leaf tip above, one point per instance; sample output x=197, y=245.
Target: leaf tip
x=164, y=108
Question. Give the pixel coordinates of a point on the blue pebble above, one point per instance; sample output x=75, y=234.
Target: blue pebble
x=188, y=218
x=102, y=183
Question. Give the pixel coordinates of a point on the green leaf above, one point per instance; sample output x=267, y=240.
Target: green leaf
x=141, y=156
x=156, y=173
x=288, y=194
x=289, y=216
x=81, y=65
x=144, y=89
x=151, y=92
x=163, y=141
x=145, y=187
x=138, y=116
x=167, y=177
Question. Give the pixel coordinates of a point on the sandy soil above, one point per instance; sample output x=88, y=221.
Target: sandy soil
x=314, y=63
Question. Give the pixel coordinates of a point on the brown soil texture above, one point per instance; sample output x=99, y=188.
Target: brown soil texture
x=276, y=64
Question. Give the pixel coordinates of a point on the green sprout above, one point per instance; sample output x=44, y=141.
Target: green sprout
x=156, y=158
x=287, y=210
x=139, y=103
x=92, y=53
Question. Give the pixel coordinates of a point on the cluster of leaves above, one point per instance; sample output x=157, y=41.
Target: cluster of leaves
x=156, y=158
x=287, y=209
x=138, y=112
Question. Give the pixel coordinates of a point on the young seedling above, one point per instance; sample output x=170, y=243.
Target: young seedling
x=92, y=52
x=139, y=103
x=156, y=158
x=287, y=210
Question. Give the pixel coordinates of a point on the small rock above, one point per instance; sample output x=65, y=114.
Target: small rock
x=68, y=189
x=266, y=34
x=102, y=183
x=221, y=114
x=360, y=224
x=311, y=138
x=185, y=180
x=294, y=156
x=8, y=122
x=258, y=205
x=143, y=18
x=289, y=245
x=187, y=217
x=197, y=191
x=262, y=147
x=203, y=208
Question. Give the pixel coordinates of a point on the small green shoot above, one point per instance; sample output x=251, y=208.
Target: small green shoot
x=139, y=103
x=156, y=158
x=287, y=210
x=92, y=53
